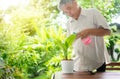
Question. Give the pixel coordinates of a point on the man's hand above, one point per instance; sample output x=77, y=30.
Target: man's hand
x=83, y=34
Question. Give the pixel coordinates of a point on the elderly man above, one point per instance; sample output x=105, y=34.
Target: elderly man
x=86, y=23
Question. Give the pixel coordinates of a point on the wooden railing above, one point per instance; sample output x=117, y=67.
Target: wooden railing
x=113, y=66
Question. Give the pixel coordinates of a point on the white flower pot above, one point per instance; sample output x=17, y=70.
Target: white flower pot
x=67, y=66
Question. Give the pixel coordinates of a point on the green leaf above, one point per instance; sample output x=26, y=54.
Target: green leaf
x=70, y=39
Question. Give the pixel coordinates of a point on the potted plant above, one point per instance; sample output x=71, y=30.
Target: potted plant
x=67, y=63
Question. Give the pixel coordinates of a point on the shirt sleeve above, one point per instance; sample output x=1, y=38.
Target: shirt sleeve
x=99, y=20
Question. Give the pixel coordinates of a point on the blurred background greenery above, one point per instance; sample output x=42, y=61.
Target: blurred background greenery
x=28, y=29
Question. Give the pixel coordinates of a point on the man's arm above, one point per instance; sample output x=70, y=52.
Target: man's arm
x=99, y=32
x=93, y=32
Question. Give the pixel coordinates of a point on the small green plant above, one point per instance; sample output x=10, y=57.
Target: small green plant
x=64, y=45
x=111, y=42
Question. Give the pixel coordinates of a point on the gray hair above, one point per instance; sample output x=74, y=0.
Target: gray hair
x=63, y=2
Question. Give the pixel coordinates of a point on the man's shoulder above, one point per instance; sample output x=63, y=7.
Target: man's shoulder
x=90, y=9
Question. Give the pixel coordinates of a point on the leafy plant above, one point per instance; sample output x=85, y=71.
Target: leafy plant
x=65, y=45
x=111, y=41
x=117, y=50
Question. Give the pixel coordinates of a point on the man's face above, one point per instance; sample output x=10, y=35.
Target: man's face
x=70, y=9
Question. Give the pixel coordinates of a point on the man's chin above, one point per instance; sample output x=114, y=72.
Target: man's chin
x=72, y=16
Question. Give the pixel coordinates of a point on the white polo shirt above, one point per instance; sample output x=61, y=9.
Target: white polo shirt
x=92, y=56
